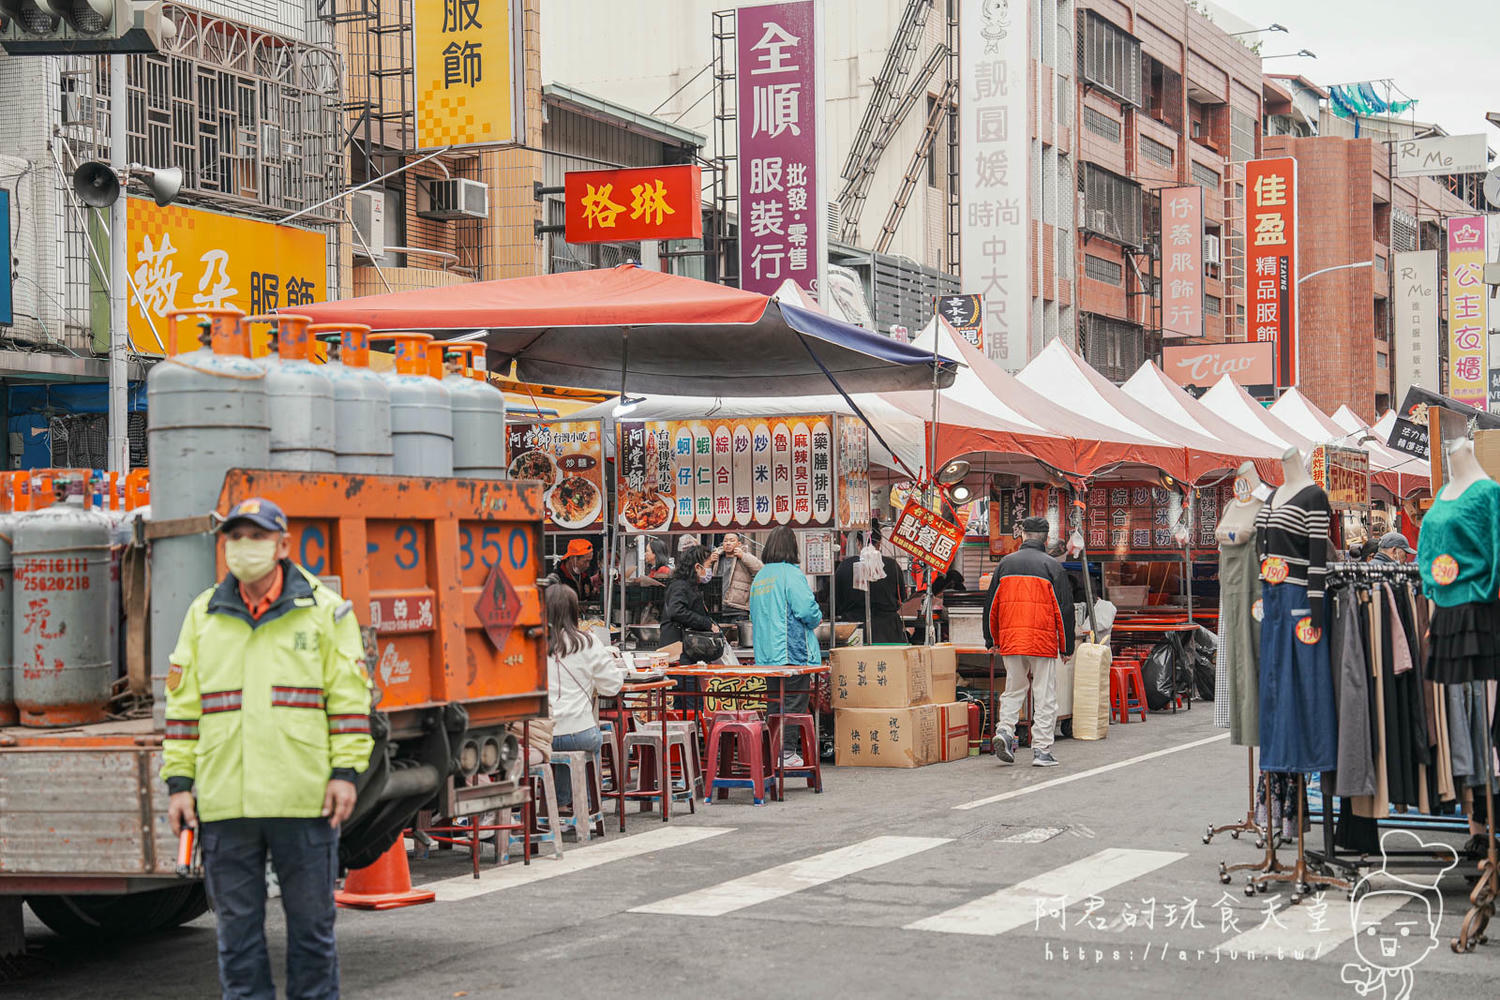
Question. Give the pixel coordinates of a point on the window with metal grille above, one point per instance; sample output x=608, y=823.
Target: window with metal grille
x=1103, y=270
x=1101, y=124
x=1113, y=347
x=1241, y=136
x=1403, y=231
x=1111, y=58
x=1112, y=205
x=1212, y=305
x=1157, y=152
x=1205, y=177
x=1380, y=264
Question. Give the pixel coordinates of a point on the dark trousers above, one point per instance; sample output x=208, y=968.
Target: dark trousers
x=796, y=696
x=305, y=853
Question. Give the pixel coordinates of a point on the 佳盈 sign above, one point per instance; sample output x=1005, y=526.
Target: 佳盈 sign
x=776, y=81
x=995, y=136
x=1271, y=260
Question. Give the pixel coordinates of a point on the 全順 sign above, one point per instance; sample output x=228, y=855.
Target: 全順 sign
x=185, y=258
x=469, y=72
x=1182, y=261
x=641, y=203
x=780, y=211
x=1271, y=260
x=994, y=190
x=1468, y=327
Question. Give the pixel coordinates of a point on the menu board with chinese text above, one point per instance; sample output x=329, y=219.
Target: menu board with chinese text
x=567, y=457
x=921, y=533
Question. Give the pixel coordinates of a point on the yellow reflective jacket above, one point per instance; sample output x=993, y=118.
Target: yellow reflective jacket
x=261, y=713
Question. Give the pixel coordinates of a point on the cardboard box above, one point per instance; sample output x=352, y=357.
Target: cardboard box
x=886, y=737
x=880, y=677
x=944, y=660
x=953, y=730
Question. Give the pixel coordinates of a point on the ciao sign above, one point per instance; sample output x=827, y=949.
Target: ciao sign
x=1201, y=365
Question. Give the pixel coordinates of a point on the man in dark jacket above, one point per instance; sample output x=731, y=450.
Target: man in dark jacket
x=1030, y=623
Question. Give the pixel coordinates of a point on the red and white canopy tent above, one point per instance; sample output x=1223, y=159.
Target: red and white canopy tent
x=1231, y=402
x=1151, y=387
x=1398, y=474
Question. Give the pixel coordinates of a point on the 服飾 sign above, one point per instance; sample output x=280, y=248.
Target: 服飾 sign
x=1198, y=366
x=1271, y=260
x=468, y=70
x=1414, y=279
x=756, y=472
x=776, y=80
x=186, y=258
x=1468, y=328
x=965, y=313
x=995, y=137
x=1344, y=474
x=926, y=536
x=567, y=458
x=1441, y=155
x=641, y=203
x=1182, y=261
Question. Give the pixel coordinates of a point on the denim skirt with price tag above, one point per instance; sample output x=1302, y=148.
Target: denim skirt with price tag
x=1298, y=722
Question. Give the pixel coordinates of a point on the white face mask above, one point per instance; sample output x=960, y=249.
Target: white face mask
x=705, y=576
x=250, y=559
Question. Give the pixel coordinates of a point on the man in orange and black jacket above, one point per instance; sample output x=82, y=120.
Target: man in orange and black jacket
x=1030, y=623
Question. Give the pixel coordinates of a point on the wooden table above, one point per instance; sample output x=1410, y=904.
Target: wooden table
x=656, y=698
x=709, y=671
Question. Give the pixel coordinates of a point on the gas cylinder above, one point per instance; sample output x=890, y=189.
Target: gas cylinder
x=421, y=411
x=63, y=664
x=299, y=397
x=207, y=414
x=478, y=413
x=7, y=590
x=361, y=400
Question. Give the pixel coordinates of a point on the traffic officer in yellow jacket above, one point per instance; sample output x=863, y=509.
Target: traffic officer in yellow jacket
x=268, y=722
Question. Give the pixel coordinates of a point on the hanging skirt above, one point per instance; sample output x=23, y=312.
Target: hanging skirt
x=1465, y=643
x=1298, y=724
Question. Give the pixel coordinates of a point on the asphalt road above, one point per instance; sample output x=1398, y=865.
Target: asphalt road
x=883, y=886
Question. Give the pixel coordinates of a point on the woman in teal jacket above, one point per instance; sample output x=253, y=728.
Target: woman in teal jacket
x=784, y=615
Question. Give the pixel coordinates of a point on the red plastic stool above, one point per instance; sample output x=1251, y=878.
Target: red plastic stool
x=810, y=768
x=741, y=762
x=1127, y=690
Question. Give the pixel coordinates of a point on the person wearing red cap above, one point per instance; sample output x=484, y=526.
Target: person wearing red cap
x=574, y=569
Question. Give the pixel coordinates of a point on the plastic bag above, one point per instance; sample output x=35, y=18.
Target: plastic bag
x=1205, y=649
x=1157, y=672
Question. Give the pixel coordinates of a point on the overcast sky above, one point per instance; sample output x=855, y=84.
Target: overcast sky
x=1439, y=51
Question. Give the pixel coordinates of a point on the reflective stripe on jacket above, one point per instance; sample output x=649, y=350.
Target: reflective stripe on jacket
x=260, y=713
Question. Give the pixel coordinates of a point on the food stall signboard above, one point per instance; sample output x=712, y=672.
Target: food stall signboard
x=1344, y=474
x=567, y=456
x=927, y=537
x=755, y=472
x=639, y=203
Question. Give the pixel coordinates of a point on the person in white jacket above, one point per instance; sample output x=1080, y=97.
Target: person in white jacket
x=579, y=668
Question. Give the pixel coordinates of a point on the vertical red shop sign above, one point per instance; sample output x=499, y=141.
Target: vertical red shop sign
x=1182, y=261
x=1271, y=260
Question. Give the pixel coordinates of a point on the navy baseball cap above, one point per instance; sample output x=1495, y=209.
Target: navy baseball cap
x=258, y=511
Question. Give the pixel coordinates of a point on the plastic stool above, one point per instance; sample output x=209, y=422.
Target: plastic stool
x=810, y=769
x=607, y=753
x=583, y=781
x=543, y=793
x=1127, y=690
x=646, y=744
x=742, y=762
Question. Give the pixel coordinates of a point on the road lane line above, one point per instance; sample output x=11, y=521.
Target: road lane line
x=783, y=880
x=1103, y=769
x=1311, y=928
x=1018, y=905
x=515, y=874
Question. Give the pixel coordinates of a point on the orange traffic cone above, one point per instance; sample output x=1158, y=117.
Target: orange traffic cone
x=384, y=885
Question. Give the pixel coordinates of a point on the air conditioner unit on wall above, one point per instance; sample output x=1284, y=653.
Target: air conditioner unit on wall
x=367, y=213
x=1211, y=249
x=453, y=198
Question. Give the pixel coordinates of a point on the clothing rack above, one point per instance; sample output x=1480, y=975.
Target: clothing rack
x=1332, y=858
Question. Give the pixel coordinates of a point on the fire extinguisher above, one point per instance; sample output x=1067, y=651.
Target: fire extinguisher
x=976, y=727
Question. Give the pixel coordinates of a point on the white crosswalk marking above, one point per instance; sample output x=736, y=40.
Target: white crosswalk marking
x=576, y=859
x=1017, y=905
x=783, y=880
x=1311, y=928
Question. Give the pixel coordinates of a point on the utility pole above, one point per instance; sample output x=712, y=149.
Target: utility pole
x=119, y=324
